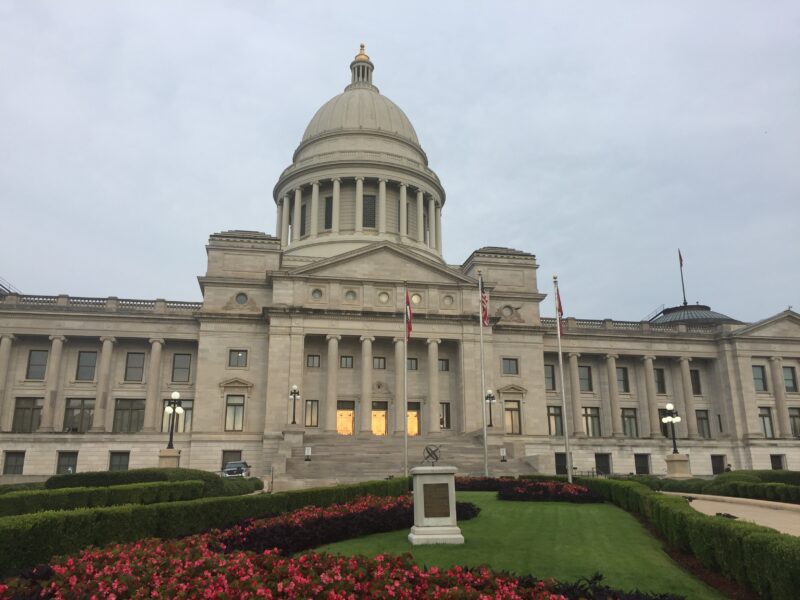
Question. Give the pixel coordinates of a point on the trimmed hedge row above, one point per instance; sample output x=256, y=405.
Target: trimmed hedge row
x=760, y=558
x=212, y=482
x=25, y=502
x=7, y=488
x=239, y=486
x=27, y=540
x=739, y=484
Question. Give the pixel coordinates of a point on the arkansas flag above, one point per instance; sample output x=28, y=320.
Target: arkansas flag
x=560, y=311
x=409, y=316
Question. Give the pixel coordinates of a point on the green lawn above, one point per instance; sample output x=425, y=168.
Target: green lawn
x=548, y=539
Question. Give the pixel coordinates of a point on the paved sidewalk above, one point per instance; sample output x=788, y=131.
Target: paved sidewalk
x=779, y=515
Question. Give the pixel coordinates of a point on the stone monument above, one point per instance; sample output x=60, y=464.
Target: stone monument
x=434, y=503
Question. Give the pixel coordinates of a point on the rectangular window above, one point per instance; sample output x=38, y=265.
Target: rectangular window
x=183, y=422
x=591, y=421
x=444, y=415
x=602, y=463
x=510, y=366
x=703, y=424
x=694, y=375
x=181, y=368
x=444, y=364
x=303, y=219
x=378, y=362
x=550, y=378
x=642, y=464
x=312, y=361
x=777, y=461
x=312, y=413
x=794, y=421
x=661, y=381
x=513, y=417
x=328, y=212
x=134, y=366
x=87, y=361
x=229, y=456
x=27, y=415
x=719, y=422
x=128, y=415
x=630, y=427
x=765, y=416
x=561, y=463
x=760, y=378
x=345, y=362
x=412, y=364
x=118, y=461
x=369, y=212
x=37, y=364
x=623, y=383
x=237, y=358
x=13, y=463
x=234, y=413
x=555, y=423
x=662, y=412
x=790, y=379
x=67, y=463
x=79, y=415
x=585, y=376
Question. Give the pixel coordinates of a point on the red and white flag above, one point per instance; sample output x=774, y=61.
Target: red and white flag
x=560, y=311
x=409, y=316
x=680, y=257
x=484, y=304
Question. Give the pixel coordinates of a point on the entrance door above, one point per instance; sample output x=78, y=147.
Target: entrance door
x=412, y=418
x=602, y=463
x=380, y=413
x=717, y=463
x=513, y=421
x=345, y=417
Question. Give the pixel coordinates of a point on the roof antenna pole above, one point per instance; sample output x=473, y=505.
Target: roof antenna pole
x=683, y=286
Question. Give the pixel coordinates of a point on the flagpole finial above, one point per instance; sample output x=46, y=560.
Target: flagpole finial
x=555, y=278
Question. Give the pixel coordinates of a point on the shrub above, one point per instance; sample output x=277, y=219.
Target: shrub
x=7, y=488
x=546, y=491
x=212, y=482
x=238, y=486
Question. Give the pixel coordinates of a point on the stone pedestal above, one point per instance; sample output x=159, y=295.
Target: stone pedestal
x=169, y=458
x=678, y=466
x=435, y=507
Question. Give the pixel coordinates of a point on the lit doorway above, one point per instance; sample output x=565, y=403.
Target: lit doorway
x=412, y=419
x=380, y=415
x=345, y=417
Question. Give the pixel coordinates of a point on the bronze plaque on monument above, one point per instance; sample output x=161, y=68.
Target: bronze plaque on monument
x=436, y=500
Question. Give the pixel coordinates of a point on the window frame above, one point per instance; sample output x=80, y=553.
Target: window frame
x=379, y=363
x=550, y=378
x=128, y=415
x=84, y=414
x=794, y=421
x=694, y=379
x=22, y=418
x=412, y=363
x=129, y=368
x=179, y=368
x=311, y=417
x=510, y=409
x=445, y=416
x=313, y=361
x=234, y=412
x=346, y=361
x=509, y=365
x=702, y=417
x=327, y=222
x=117, y=454
x=591, y=416
x=82, y=368
x=303, y=216
x=15, y=466
x=660, y=377
x=555, y=420
x=63, y=465
x=760, y=379
x=367, y=200
x=790, y=380
x=585, y=384
x=238, y=356
x=630, y=420
x=183, y=424
x=623, y=380
x=31, y=365
x=765, y=420
x=444, y=365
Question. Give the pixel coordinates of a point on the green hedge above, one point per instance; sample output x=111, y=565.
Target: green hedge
x=212, y=482
x=7, y=488
x=237, y=486
x=738, y=484
x=760, y=558
x=20, y=503
x=27, y=540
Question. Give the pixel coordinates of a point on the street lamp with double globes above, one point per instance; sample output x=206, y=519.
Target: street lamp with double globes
x=294, y=393
x=490, y=400
x=173, y=408
x=672, y=418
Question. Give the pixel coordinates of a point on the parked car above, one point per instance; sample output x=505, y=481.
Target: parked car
x=237, y=468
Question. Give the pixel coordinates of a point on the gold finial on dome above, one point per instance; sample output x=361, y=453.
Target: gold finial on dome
x=361, y=56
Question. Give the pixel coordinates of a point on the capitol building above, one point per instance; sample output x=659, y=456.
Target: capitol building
x=319, y=304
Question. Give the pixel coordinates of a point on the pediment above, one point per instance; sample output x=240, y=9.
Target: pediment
x=384, y=261
x=235, y=382
x=782, y=325
x=512, y=389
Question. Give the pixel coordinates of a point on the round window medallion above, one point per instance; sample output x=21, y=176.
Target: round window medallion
x=383, y=297
x=416, y=298
x=316, y=293
x=507, y=311
x=350, y=295
x=241, y=298
x=447, y=300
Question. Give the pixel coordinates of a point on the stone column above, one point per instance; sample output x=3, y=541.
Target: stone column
x=575, y=393
x=52, y=381
x=335, y=201
x=359, y=204
x=613, y=395
x=399, y=385
x=279, y=220
x=314, y=208
x=439, y=228
x=105, y=412
x=285, y=221
x=153, y=407
x=332, y=382
x=431, y=222
x=688, y=397
x=433, y=385
x=381, y=206
x=779, y=387
x=420, y=217
x=6, y=406
x=403, y=214
x=652, y=398
x=366, y=383
x=298, y=200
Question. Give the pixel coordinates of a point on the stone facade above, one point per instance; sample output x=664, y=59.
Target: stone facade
x=84, y=381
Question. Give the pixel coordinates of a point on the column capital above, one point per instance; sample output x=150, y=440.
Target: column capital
x=108, y=338
x=402, y=184
x=430, y=341
x=684, y=359
x=648, y=357
x=154, y=341
x=398, y=340
x=612, y=356
x=359, y=178
x=367, y=338
x=60, y=338
x=285, y=197
x=315, y=183
x=336, y=179
x=575, y=354
x=299, y=189
x=383, y=180
x=7, y=336
x=333, y=336
x=776, y=359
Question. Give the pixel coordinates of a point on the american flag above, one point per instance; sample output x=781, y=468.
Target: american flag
x=409, y=316
x=560, y=311
x=484, y=304
x=680, y=258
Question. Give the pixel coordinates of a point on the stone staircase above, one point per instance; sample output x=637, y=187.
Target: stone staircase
x=348, y=459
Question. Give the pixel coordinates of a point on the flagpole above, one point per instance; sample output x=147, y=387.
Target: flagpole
x=405, y=379
x=483, y=378
x=566, y=420
x=683, y=287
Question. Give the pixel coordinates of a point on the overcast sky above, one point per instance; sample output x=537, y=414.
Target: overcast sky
x=600, y=136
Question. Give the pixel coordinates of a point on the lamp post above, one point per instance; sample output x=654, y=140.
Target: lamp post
x=173, y=408
x=672, y=418
x=490, y=400
x=294, y=393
